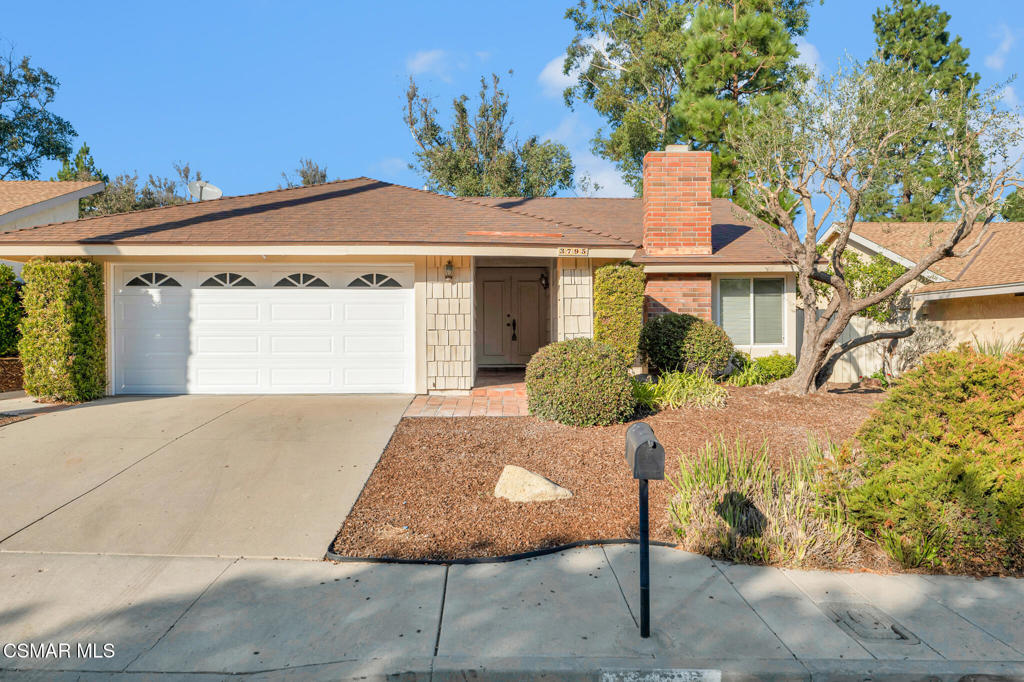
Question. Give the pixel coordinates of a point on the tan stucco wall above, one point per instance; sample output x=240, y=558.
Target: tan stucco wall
x=574, y=298
x=449, y=324
x=56, y=214
x=987, y=317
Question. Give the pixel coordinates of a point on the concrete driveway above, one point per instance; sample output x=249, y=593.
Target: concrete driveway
x=253, y=476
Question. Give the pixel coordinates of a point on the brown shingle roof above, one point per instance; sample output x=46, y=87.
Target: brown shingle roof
x=736, y=235
x=361, y=210
x=15, y=194
x=999, y=260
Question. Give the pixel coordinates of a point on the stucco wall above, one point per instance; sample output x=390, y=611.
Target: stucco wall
x=575, y=298
x=987, y=317
x=449, y=324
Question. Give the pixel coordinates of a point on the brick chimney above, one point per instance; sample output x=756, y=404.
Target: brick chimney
x=677, y=202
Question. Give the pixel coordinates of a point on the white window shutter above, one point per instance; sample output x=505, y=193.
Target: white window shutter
x=734, y=304
x=768, y=316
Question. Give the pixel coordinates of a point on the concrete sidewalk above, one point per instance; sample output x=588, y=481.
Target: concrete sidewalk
x=570, y=615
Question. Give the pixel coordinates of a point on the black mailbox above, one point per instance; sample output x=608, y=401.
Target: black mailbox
x=644, y=454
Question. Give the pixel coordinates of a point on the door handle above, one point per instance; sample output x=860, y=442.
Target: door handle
x=513, y=329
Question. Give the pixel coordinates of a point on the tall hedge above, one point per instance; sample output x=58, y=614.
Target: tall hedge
x=10, y=312
x=619, y=307
x=63, y=333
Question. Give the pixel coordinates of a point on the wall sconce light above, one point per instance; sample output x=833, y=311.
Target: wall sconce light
x=544, y=280
x=449, y=270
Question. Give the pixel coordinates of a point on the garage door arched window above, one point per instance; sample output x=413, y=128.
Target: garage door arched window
x=227, y=279
x=374, y=280
x=301, y=279
x=152, y=279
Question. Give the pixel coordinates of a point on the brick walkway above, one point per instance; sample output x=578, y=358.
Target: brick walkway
x=498, y=393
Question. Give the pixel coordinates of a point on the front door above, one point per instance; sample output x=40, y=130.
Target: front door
x=511, y=311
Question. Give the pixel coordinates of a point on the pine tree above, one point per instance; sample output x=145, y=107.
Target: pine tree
x=83, y=168
x=735, y=53
x=1013, y=207
x=913, y=35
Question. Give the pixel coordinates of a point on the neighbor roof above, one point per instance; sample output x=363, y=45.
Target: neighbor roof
x=737, y=236
x=998, y=260
x=17, y=194
x=360, y=210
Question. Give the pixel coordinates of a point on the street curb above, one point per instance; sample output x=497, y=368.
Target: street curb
x=505, y=558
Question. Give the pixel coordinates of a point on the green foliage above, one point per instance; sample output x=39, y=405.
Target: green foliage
x=940, y=480
x=1013, y=207
x=310, y=173
x=10, y=311
x=913, y=35
x=761, y=371
x=867, y=277
x=665, y=71
x=1000, y=346
x=678, y=389
x=579, y=382
x=83, y=168
x=619, y=307
x=477, y=156
x=63, y=343
x=777, y=366
x=730, y=503
x=29, y=131
x=684, y=343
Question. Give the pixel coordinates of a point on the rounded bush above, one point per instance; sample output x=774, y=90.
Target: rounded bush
x=684, y=343
x=777, y=366
x=579, y=382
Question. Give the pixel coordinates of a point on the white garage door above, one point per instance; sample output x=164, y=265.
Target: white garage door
x=237, y=329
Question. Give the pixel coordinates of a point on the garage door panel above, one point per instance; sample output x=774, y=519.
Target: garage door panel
x=301, y=378
x=316, y=344
x=270, y=340
x=227, y=312
x=228, y=345
x=301, y=312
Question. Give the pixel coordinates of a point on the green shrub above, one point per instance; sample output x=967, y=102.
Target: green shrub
x=579, y=382
x=619, y=307
x=730, y=503
x=684, y=343
x=10, y=311
x=676, y=389
x=940, y=478
x=63, y=342
x=777, y=366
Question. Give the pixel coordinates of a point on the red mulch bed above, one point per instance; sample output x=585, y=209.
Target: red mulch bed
x=10, y=374
x=431, y=495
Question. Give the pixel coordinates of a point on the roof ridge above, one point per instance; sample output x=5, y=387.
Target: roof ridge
x=542, y=218
x=190, y=203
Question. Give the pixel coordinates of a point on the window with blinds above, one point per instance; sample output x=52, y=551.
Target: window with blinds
x=751, y=309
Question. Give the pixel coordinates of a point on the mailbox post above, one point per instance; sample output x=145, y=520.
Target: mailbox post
x=646, y=458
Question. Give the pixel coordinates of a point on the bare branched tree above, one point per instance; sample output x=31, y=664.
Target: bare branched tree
x=844, y=136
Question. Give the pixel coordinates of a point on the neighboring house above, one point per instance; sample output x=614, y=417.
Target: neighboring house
x=25, y=203
x=365, y=286
x=980, y=296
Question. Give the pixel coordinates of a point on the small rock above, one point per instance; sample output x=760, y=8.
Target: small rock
x=522, y=485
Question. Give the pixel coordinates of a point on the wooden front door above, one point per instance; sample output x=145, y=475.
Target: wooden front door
x=511, y=310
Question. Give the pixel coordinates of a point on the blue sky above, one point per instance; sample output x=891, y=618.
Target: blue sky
x=242, y=90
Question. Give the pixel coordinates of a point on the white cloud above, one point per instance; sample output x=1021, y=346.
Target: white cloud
x=997, y=60
x=1010, y=97
x=601, y=171
x=552, y=81
x=808, y=54
x=434, y=62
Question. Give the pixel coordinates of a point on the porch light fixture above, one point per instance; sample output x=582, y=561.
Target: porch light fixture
x=544, y=280
x=449, y=270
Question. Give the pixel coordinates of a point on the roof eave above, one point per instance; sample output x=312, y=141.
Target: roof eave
x=52, y=202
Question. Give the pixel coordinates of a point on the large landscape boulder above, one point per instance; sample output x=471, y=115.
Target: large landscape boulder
x=522, y=485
